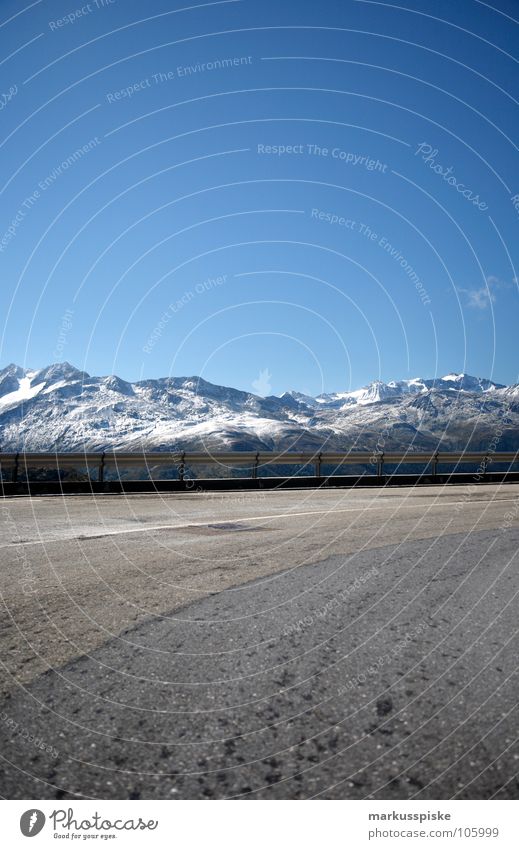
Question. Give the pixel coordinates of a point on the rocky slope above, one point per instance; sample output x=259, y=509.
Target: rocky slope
x=62, y=408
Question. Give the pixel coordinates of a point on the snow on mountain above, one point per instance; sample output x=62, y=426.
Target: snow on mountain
x=10, y=379
x=25, y=390
x=509, y=391
x=379, y=391
x=465, y=383
x=62, y=408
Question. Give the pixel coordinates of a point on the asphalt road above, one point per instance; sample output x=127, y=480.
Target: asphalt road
x=297, y=644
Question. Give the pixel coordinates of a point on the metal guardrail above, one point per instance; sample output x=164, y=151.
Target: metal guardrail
x=15, y=464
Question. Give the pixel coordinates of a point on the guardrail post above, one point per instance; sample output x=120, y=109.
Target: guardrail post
x=101, y=469
x=15, y=464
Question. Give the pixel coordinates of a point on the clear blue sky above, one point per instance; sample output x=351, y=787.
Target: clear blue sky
x=178, y=237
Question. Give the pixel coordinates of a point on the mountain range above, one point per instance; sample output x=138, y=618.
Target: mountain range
x=62, y=408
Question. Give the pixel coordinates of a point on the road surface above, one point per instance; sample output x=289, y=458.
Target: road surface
x=298, y=644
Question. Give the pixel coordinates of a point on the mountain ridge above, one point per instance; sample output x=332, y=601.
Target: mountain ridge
x=60, y=407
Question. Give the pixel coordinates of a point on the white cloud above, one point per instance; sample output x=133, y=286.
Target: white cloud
x=481, y=298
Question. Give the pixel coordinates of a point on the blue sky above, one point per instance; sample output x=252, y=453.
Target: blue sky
x=269, y=195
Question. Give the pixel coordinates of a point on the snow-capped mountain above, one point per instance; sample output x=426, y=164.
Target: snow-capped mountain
x=62, y=408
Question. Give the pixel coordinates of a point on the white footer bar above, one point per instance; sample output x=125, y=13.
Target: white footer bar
x=262, y=824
